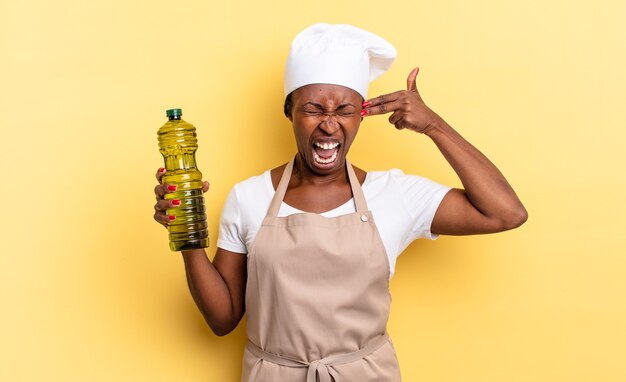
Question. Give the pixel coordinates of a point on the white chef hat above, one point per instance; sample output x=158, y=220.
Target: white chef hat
x=337, y=54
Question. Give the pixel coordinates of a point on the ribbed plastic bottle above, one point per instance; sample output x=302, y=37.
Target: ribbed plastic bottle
x=178, y=144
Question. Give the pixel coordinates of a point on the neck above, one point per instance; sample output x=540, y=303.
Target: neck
x=302, y=174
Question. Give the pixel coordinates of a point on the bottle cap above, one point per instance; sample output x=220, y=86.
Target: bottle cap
x=173, y=113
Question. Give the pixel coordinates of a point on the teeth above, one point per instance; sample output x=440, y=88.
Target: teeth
x=321, y=160
x=326, y=146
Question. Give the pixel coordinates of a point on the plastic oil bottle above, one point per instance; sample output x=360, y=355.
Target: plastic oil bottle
x=178, y=144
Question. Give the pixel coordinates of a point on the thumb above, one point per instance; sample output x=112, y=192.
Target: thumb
x=410, y=81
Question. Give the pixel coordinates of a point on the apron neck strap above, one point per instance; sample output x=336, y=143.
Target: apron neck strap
x=279, y=195
x=357, y=192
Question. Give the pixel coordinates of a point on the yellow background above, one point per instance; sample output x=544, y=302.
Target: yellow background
x=89, y=290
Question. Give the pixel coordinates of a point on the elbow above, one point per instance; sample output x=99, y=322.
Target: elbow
x=220, y=331
x=515, y=219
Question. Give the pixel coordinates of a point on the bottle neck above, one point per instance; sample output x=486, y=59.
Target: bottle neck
x=175, y=118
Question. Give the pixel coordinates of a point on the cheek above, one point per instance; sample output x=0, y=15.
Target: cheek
x=301, y=134
x=352, y=128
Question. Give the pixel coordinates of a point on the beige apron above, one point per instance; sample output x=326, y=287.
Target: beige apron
x=317, y=297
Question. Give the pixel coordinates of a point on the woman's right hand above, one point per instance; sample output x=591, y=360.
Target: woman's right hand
x=218, y=287
x=162, y=204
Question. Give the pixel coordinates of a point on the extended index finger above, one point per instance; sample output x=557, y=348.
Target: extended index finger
x=382, y=99
x=383, y=108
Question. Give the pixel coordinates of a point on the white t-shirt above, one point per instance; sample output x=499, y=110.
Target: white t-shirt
x=403, y=207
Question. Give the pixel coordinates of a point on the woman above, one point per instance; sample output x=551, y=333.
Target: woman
x=321, y=236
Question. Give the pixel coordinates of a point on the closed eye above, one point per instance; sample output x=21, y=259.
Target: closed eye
x=346, y=110
x=312, y=112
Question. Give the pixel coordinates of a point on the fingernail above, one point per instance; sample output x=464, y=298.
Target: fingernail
x=161, y=169
x=176, y=202
x=365, y=104
x=171, y=217
x=363, y=113
x=171, y=187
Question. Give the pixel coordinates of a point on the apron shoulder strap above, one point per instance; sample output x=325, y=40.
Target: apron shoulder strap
x=279, y=195
x=357, y=193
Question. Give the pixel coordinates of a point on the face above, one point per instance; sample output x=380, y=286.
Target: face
x=325, y=121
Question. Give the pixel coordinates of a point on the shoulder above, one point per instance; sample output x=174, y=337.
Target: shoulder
x=251, y=193
x=394, y=178
x=248, y=201
x=397, y=177
x=243, y=209
x=254, y=184
x=411, y=190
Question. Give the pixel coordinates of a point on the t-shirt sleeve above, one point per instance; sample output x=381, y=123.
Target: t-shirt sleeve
x=231, y=233
x=422, y=197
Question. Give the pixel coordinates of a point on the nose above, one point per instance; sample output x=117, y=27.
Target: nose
x=329, y=125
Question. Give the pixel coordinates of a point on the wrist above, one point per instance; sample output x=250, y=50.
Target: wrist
x=435, y=127
x=193, y=252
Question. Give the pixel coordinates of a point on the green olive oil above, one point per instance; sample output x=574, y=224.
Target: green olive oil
x=178, y=144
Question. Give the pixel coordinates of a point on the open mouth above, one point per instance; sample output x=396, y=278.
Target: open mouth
x=325, y=153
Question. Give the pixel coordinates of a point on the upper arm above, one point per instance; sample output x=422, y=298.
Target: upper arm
x=456, y=215
x=233, y=267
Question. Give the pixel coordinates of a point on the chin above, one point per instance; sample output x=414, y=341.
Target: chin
x=326, y=168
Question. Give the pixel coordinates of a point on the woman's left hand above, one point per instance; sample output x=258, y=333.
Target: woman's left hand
x=407, y=107
x=488, y=203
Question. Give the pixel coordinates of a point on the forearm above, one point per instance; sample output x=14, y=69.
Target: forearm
x=210, y=292
x=485, y=186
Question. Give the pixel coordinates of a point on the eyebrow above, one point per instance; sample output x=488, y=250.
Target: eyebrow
x=317, y=105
